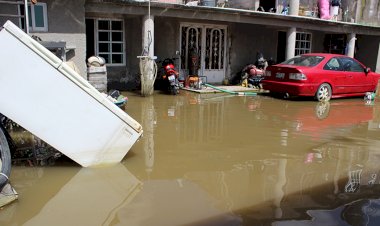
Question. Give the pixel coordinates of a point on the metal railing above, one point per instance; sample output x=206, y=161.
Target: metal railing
x=14, y=13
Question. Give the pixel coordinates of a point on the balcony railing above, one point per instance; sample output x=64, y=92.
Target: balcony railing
x=351, y=11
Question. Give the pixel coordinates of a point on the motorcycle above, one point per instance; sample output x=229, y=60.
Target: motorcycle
x=170, y=76
x=253, y=74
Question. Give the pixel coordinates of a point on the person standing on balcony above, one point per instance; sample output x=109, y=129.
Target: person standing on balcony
x=334, y=9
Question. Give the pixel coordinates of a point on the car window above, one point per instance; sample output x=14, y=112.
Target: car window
x=302, y=60
x=351, y=65
x=333, y=65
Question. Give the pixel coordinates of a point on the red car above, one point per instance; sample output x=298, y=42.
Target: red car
x=320, y=75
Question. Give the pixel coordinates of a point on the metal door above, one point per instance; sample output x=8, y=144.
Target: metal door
x=208, y=44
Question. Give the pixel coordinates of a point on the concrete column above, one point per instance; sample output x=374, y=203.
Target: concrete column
x=358, y=11
x=294, y=7
x=257, y=4
x=351, y=38
x=377, y=69
x=290, y=42
x=147, y=68
x=148, y=35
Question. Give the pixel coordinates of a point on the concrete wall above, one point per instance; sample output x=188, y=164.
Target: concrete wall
x=128, y=77
x=66, y=23
x=246, y=40
x=166, y=38
x=367, y=49
x=7, y=9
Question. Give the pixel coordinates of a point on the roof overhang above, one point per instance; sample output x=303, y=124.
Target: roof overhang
x=227, y=15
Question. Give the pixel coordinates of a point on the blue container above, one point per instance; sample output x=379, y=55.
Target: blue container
x=209, y=3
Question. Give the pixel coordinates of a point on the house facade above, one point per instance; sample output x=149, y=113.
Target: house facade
x=222, y=36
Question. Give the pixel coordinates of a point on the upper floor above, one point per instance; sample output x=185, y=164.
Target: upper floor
x=350, y=11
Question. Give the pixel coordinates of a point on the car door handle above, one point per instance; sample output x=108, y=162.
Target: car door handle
x=350, y=76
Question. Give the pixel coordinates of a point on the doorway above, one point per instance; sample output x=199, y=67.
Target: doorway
x=335, y=43
x=281, y=46
x=203, y=51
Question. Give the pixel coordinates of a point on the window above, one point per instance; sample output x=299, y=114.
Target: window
x=308, y=61
x=351, y=65
x=333, y=65
x=303, y=43
x=37, y=17
x=110, y=41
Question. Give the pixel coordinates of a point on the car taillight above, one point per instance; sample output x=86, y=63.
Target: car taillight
x=297, y=76
x=268, y=73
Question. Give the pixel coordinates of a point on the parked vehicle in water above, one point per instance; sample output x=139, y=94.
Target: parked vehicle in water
x=320, y=75
x=170, y=76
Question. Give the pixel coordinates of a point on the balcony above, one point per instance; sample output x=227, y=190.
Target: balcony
x=350, y=11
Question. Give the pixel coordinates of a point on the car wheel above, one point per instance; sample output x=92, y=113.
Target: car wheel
x=324, y=92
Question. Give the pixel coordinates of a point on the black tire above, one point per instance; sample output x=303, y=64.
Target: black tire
x=324, y=92
x=5, y=159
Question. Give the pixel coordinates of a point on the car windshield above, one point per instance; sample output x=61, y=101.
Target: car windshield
x=308, y=61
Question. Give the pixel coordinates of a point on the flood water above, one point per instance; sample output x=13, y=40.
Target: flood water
x=216, y=159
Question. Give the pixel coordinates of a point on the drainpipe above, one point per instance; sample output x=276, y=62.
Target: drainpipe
x=290, y=42
x=26, y=14
x=351, y=38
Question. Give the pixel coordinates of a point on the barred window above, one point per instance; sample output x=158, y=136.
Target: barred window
x=110, y=41
x=303, y=43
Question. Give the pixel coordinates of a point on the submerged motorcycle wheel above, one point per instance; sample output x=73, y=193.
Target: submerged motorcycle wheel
x=174, y=90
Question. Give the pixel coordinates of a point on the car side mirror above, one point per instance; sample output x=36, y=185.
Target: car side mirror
x=367, y=70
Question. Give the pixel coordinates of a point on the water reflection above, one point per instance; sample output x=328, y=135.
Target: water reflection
x=149, y=120
x=89, y=197
x=319, y=119
x=217, y=159
x=258, y=159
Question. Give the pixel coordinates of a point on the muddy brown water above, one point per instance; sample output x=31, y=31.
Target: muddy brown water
x=217, y=159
